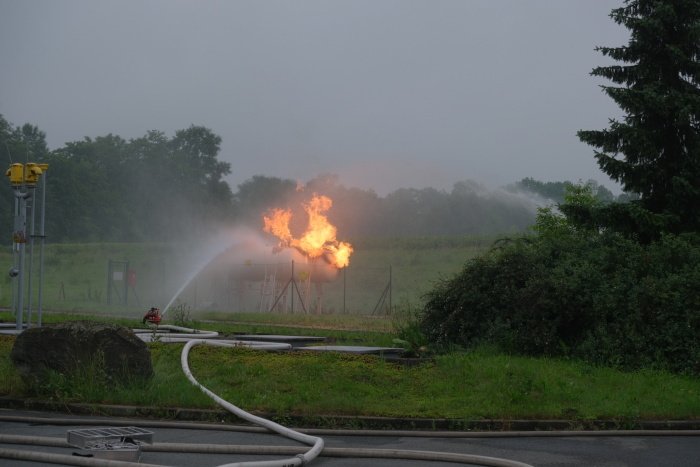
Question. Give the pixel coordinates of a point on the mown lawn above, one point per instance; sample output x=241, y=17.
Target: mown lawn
x=464, y=386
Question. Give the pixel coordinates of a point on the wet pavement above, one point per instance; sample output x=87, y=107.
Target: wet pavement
x=567, y=451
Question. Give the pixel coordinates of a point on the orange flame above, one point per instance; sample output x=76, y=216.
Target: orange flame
x=318, y=239
x=278, y=224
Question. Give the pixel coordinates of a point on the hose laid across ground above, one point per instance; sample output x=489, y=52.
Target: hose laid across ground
x=161, y=331
x=193, y=338
x=247, y=449
x=301, y=459
x=169, y=333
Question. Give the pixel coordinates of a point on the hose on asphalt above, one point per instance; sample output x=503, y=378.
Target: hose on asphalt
x=403, y=454
x=64, y=459
x=282, y=450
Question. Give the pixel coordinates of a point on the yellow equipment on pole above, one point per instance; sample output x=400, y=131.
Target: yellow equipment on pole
x=24, y=179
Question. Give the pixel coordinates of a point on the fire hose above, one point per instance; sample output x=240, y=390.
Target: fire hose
x=301, y=459
x=298, y=459
x=317, y=442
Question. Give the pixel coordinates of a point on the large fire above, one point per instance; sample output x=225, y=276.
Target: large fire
x=319, y=237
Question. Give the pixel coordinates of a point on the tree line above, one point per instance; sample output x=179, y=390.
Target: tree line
x=161, y=188
x=110, y=189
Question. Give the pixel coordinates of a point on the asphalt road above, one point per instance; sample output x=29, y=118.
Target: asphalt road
x=568, y=451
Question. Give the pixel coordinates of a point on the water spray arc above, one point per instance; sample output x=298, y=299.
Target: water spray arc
x=220, y=245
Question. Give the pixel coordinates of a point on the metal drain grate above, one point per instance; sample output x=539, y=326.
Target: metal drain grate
x=81, y=438
x=113, y=443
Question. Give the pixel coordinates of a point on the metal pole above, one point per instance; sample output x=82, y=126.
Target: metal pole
x=294, y=284
x=30, y=206
x=20, y=289
x=21, y=224
x=41, y=247
x=12, y=286
x=279, y=297
x=390, y=309
x=15, y=258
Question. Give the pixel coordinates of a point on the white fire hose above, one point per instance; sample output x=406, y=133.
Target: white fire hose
x=315, y=442
x=192, y=338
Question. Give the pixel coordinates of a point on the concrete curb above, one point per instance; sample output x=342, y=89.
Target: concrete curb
x=350, y=422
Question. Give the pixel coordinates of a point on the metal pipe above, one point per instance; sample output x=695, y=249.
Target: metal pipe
x=64, y=459
x=390, y=287
x=42, y=233
x=358, y=453
x=20, y=276
x=30, y=207
x=15, y=260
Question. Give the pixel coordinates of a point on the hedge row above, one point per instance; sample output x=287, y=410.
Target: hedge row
x=595, y=296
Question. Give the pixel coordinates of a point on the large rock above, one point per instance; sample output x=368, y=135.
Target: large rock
x=111, y=351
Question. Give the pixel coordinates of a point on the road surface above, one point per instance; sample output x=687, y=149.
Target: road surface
x=538, y=451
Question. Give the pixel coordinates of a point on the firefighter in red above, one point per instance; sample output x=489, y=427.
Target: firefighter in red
x=152, y=316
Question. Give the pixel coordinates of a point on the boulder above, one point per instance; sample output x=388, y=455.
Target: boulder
x=111, y=351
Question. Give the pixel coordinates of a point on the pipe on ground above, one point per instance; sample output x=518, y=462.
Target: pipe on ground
x=241, y=449
x=315, y=442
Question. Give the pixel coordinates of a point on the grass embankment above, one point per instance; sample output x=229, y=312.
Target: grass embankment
x=459, y=386
x=462, y=386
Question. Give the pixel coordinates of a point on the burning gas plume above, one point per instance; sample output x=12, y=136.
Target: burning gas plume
x=319, y=237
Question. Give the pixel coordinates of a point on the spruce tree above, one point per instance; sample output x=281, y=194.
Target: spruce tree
x=654, y=150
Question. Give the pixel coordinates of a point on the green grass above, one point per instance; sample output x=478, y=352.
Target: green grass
x=76, y=276
x=169, y=388
x=459, y=386
x=482, y=384
x=10, y=381
x=462, y=386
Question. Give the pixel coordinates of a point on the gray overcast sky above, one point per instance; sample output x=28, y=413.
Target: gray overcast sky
x=384, y=93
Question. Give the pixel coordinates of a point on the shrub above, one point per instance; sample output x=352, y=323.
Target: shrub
x=585, y=294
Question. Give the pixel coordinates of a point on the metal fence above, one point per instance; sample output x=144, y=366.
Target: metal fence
x=291, y=288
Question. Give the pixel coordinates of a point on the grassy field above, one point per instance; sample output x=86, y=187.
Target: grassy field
x=475, y=385
x=76, y=277
x=459, y=385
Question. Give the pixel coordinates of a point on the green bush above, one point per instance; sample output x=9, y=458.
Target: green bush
x=584, y=294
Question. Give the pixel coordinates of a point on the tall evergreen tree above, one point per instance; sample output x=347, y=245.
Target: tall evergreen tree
x=654, y=150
